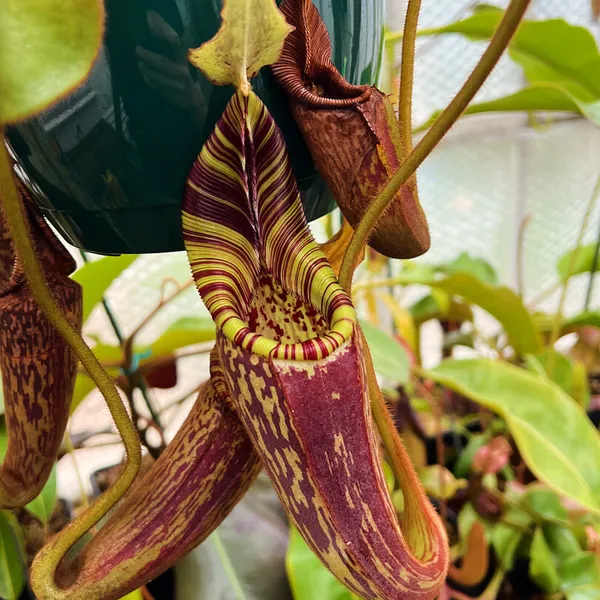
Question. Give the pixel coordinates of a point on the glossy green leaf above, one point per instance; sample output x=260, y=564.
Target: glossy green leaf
x=12, y=557
x=96, y=277
x=554, y=435
x=43, y=505
x=389, y=356
x=183, y=332
x=580, y=577
x=308, y=577
x=542, y=568
x=500, y=301
x=584, y=261
x=46, y=49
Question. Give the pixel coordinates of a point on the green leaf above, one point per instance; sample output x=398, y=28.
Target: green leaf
x=440, y=482
x=96, y=277
x=560, y=61
x=12, y=554
x=542, y=569
x=506, y=538
x=554, y=435
x=570, y=375
x=389, y=356
x=465, y=263
x=466, y=518
x=584, y=261
x=584, y=319
x=183, y=332
x=536, y=97
x=43, y=505
x=561, y=540
x=439, y=305
x=580, y=577
x=308, y=577
x=479, y=26
x=46, y=49
x=500, y=301
x=545, y=503
x=390, y=479
x=550, y=51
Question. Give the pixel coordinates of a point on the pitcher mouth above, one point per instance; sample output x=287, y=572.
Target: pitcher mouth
x=291, y=327
x=323, y=87
x=306, y=70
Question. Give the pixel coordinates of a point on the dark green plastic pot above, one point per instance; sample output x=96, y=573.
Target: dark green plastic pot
x=108, y=164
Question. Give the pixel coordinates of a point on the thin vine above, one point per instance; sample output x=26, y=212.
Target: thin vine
x=407, y=74
x=19, y=231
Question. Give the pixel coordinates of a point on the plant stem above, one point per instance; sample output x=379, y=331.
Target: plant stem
x=71, y=450
x=407, y=74
x=128, y=343
x=228, y=566
x=19, y=231
x=590, y=287
x=504, y=33
x=521, y=255
x=558, y=317
x=543, y=295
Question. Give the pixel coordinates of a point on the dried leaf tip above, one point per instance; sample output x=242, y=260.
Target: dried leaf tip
x=251, y=36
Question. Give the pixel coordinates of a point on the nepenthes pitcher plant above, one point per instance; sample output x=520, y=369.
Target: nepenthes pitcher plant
x=291, y=389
